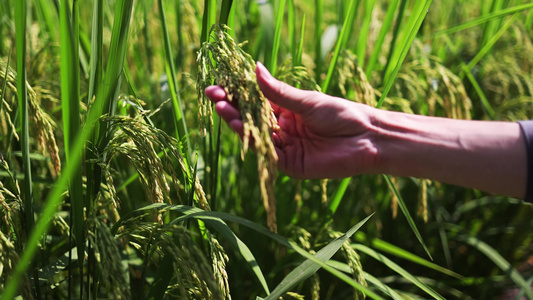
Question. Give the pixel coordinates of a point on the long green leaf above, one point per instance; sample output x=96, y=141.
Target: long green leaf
x=177, y=102
x=225, y=10
x=22, y=94
x=344, y=31
x=409, y=34
x=495, y=257
x=319, y=7
x=363, y=32
x=401, y=253
x=70, y=103
x=309, y=267
x=484, y=19
x=387, y=23
x=489, y=44
x=369, y=278
x=406, y=213
x=396, y=268
x=280, y=12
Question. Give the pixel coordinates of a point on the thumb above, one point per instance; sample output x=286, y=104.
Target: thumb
x=282, y=94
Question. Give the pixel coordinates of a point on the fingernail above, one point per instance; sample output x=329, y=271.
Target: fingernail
x=263, y=71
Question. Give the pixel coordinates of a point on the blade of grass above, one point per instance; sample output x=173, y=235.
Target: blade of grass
x=22, y=94
x=395, y=35
x=70, y=103
x=495, y=257
x=351, y=15
x=404, y=43
x=483, y=19
x=396, y=268
x=291, y=27
x=344, y=31
x=5, y=80
x=363, y=32
x=309, y=267
x=406, y=36
x=177, y=102
x=488, y=45
x=401, y=253
x=319, y=7
x=280, y=12
x=491, y=26
x=299, y=53
x=406, y=213
x=209, y=18
x=225, y=10
x=369, y=278
x=385, y=27
x=477, y=88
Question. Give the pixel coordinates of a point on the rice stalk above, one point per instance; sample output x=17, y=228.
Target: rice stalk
x=234, y=69
x=193, y=276
x=108, y=258
x=352, y=78
x=8, y=259
x=354, y=261
x=423, y=199
x=219, y=260
x=40, y=120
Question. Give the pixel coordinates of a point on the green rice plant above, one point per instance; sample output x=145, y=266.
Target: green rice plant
x=70, y=97
x=231, y=68
x=177, y=103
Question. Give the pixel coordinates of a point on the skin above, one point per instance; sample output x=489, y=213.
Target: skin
x=322, y=136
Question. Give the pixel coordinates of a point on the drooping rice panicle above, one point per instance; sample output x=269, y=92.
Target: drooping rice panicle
x=224, y=62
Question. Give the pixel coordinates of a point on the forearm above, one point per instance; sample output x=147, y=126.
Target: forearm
x=489, y=156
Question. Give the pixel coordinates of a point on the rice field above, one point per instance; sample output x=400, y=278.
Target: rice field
x=118, y=180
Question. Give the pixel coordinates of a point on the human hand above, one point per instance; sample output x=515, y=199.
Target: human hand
x=319, y=136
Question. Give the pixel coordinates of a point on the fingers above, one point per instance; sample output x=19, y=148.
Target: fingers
x=224, y=109
x=216, y=93
x=231, y=115
x=282, y=94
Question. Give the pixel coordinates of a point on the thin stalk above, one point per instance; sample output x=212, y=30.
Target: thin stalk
x=225, y=11
x=387, y=23
x=319, y=4
x=338, y=45
x=483, y=19
x=490, y=43
x=299, y=53
x=277, y=35
x=291, y=26
x=412, y=27
x=177, y=102
x=363, y=33
x=22, y=94
x=70, y=103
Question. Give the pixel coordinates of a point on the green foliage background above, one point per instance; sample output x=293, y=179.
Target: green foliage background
x=110, y=189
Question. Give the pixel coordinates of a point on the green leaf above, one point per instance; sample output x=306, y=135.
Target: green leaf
x=343, y=33
x=407, y=37
x=494, y=256
x=309, y=267
x=401, y=253
x=277, y=35
x=484, y=19
x=406, y=213
x=396, y=268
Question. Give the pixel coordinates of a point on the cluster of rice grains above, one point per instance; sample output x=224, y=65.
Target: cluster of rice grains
x=222, y=61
